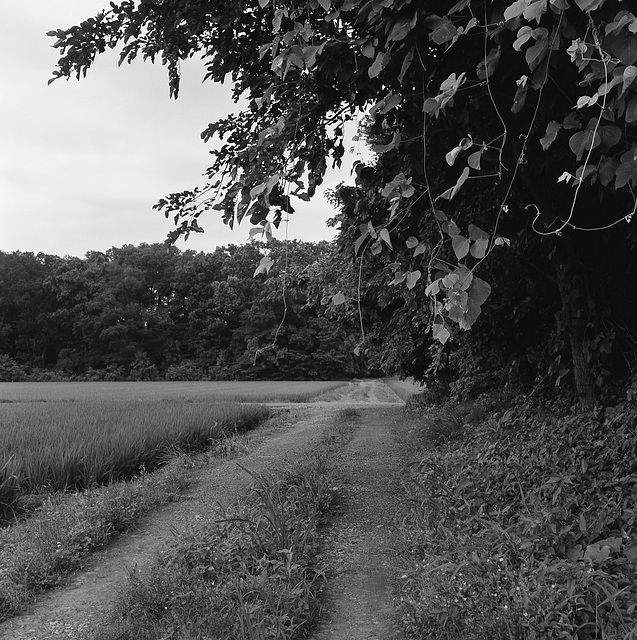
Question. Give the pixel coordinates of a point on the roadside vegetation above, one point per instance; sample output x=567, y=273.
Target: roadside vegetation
x=36, y=553
x=523, y=522
x=253, y=574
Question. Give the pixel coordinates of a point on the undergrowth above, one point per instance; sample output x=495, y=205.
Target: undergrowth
x=38, y=552
x=252, y=574
x=523, y=526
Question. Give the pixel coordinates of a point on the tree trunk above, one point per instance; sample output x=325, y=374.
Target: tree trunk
x=574, y=322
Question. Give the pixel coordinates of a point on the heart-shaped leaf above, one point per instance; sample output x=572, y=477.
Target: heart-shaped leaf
x=460, y=246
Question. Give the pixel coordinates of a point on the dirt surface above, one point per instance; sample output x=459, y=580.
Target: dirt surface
x=360, y=558
x=360, y=540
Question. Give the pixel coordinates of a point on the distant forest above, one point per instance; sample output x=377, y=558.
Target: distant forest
x=154, y=312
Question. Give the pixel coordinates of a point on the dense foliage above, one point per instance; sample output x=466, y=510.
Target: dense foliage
x=151, y=312
x=523, y=524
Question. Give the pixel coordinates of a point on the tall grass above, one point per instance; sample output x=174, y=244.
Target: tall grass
x=73, y=445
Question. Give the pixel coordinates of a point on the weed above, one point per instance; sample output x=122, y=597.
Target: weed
x=347, y=414
x=230, y=446
x=444, y=426
x=9, y=483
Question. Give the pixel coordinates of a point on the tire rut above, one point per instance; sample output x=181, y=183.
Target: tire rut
x=360, y=541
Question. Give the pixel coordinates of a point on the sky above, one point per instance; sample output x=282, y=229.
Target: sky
x=82, y=163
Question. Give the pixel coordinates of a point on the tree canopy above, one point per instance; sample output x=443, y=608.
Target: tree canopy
x=495, y=123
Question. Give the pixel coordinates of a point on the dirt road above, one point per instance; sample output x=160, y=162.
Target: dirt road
x=358, y=541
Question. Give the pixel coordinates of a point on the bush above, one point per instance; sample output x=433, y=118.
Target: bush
x=11, y=371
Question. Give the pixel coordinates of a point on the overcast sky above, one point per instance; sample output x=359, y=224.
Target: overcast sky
x=82, y=163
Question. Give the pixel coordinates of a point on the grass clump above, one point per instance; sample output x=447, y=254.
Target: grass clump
x=249, y=576
x=526, y=528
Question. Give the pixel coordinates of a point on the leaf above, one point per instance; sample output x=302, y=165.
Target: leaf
x=479, y=248
x=464, y=277
x=515, y=10
x=411, y=242
x=474, y=159
x=412, y=278
x=460, y=246
x=597, y=554
x=421, y=248
x=378, y=65
x=377, y=247
x=406, y=64
x=535, y=10
x=400, y=30
x=257, y=190
x=621, y=20
x=459, y=6
x=630, y=73
x=475, y=233
x=552, y=129
x=524, y=34
x=264, y=266
x=433, y=288
x=535, y=54
x=359, y=242
x=450, y=228
x=384, y=236
x=488, y=65
x=440, y=333
x=255, y=231
x=583, y=141
x=440, y=215
x=479, y=291
x=610, y=136
x=395, y=184
x=606, y=169
x=443, y=30
x=452, y=155
x=624, y=47
x=500, y=241
x=452, y=191
x=625, y=173
x=589, y=5
x=519, y=99
x=338, y=299
x=383, y=148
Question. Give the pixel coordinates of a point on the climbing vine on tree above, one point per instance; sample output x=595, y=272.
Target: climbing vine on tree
x=535, y=100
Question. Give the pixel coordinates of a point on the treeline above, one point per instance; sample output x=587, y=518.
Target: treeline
x=154, y=312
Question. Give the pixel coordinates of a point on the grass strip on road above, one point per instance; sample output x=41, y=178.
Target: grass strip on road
x=250, y=576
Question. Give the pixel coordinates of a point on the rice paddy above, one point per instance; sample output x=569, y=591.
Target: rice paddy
x=60, y=436
x=225, y=391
